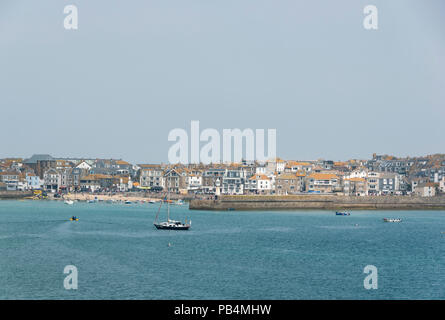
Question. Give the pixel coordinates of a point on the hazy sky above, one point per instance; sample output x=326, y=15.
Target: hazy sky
x=134, y=70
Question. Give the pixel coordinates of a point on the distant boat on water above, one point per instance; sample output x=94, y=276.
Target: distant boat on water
x=392, y=220
x=342, y=213
x=69, y=202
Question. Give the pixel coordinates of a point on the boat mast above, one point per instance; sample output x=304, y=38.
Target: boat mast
x=157, y=214
x=168, y=199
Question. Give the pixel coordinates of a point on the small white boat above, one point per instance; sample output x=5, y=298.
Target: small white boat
x=392, y=220
x=179, y=202
x=70, y=202
x=128, y=202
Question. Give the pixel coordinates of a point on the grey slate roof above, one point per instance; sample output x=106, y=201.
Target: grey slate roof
x=38, y=157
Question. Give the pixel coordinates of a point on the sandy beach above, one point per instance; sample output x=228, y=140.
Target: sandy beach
x=102, y=197
x=134, y=197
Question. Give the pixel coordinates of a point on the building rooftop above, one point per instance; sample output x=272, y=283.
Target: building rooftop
x=38, y=157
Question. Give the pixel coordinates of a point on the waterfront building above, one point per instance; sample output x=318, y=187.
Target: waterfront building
x=33, y=181
x=372, y=183
x=76, y=174
x=427, y=189
x=173, y=180
x=66, y=179
x=124, y=184
x=194, y=182
x=233, y=181
x=442, y=185
x=90, y=183
x=392, y=183
x=258, y=184
x=289, y=183
x=151, y=175
x=10, y=179
x=355, y=186
x=212, y=179
x=323, y=183
x=52, y=180
x=95, y=182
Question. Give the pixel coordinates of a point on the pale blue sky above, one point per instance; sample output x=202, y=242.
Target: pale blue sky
x=137, y=69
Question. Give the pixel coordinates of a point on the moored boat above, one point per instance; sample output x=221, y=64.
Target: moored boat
x=170, y=224
x=342, y=213
x=173, y=225
x=392, y=220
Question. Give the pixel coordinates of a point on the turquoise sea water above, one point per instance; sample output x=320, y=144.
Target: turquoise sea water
x=226, y=255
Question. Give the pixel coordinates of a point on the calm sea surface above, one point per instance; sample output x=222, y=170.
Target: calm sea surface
x=226, y=255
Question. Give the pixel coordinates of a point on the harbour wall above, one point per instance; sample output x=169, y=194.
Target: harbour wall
x=15, y=194
x=321, y=202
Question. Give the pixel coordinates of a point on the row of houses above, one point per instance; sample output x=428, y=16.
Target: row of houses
x=276, y=176
x=65, y=175
x=282, y=178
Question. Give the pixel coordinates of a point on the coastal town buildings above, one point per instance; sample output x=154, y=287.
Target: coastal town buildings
x=379, y=176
